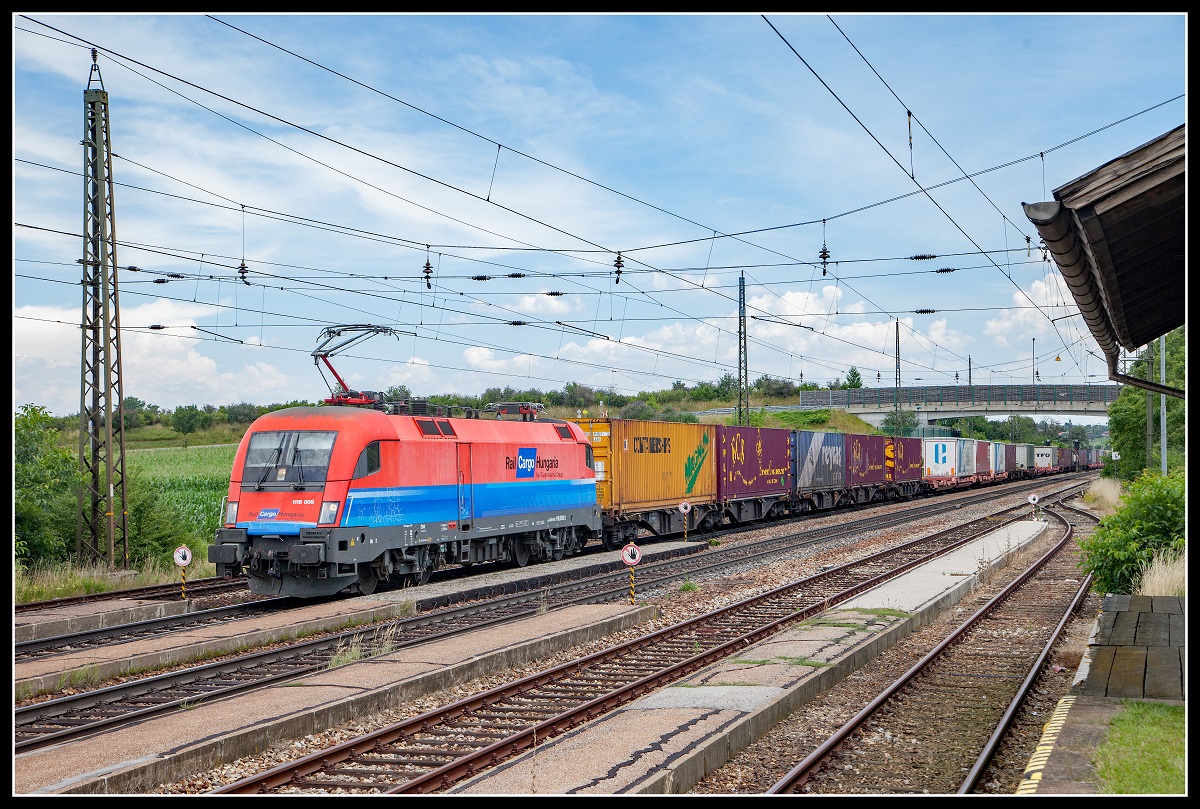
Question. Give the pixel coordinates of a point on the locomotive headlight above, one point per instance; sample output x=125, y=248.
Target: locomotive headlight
x=329, y=511
x=231, y=513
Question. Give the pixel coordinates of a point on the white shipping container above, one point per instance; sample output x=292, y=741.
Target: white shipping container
x=941, y=457
x=998, y=466
x=1043, y=457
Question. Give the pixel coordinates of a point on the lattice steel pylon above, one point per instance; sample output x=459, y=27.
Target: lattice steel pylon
x=743, y=408
x=102, y=524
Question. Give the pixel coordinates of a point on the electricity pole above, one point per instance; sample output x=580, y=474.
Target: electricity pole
x=102, y=522
x=743, y=407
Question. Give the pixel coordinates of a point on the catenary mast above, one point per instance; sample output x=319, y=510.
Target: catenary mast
x=102, y=522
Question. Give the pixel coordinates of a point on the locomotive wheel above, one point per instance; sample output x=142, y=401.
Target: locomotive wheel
x=520, y=553
x=367, y=580
x=424, y=571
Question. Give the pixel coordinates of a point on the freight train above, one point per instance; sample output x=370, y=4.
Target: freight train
x=323, y=500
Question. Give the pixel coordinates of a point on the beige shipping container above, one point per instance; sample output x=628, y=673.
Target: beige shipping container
x=642, y=465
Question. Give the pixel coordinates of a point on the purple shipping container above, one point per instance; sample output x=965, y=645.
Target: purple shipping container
x=753, y=462
x=983, y=458
x=1010, y=458
x=909, y=465
x=820, y=461
x=865, y=457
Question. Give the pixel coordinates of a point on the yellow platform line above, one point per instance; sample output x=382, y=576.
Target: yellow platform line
x=1037, y=762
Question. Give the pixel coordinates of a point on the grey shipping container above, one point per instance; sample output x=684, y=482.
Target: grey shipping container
x=966, y=457
x=819, y=460
x=1025, y=457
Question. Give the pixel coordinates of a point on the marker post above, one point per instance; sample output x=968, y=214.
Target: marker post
x=183, y=557
x=631, y=554
x=684, y=508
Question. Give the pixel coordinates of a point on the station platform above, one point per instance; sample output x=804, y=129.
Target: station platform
x=1137, y=651
x=669, y=740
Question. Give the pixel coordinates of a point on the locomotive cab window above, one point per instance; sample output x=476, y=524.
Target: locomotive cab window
x=563, y=432
x=368, y=461
x=294, y=457
x=589, y=458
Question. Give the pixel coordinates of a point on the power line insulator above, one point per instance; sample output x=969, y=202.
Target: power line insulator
x=924, y=311
x=922, y=257
x=481, y=278
x=618, y=264
x=428, y=271
x=242, y=270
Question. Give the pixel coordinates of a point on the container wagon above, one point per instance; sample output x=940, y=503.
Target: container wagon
x=1045, y=460
x=657, y=475
x=754, y=472
x=818, y=471
x=998, y=461
x=949, y=462
x=983, y=462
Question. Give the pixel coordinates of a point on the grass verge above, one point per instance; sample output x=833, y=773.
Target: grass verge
x=1144, y=753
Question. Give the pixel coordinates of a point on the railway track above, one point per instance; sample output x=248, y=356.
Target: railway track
x=140, y=630
x=934, y=730
x=432, y=752
x=195, y=589
x=78, y=715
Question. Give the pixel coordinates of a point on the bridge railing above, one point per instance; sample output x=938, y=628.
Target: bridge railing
x=960, y=396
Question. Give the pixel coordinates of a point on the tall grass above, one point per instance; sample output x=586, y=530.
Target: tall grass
x=186, y=482
x=1166, y=575
x=1103, y=496
x=64, y=580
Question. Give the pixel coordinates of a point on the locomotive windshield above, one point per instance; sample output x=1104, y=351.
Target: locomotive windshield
x=294, y=457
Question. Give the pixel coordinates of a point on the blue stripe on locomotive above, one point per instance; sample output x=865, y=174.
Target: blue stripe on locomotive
x=426, y=504
x=259, y=527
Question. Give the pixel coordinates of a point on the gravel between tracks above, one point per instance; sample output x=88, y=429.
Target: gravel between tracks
x=760, y=765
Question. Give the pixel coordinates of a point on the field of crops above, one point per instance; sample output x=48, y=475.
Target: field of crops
x=194, y=479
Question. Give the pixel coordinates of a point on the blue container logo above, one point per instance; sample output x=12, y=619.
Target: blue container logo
x=939, y=453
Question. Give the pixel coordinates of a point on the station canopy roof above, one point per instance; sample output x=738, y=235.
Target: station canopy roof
x=1117, y=236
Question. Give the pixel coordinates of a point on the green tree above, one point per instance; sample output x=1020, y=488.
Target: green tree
x=1127, y=415
x=45, y=487
x=899, y=422
x=188, y=419
x=1150, y=522
x=703, y=392
x=727, y=387
x=853, y=378
x=638, y=410
x=397, y=393
x=242, y=413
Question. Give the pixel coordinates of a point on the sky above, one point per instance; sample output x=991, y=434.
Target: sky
x=591, y=194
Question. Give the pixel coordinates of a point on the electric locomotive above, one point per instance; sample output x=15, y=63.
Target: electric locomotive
x=329, y=499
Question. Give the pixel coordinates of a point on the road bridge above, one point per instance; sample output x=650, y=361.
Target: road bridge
x=933, y=402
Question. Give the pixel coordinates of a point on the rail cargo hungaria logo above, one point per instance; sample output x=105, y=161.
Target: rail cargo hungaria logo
x=526, y=461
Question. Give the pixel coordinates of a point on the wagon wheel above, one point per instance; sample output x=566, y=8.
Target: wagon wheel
x=520, y=552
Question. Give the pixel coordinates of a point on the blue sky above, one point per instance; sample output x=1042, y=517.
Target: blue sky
x=336, y=155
